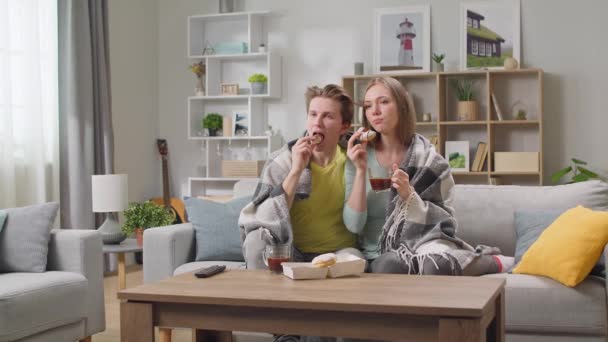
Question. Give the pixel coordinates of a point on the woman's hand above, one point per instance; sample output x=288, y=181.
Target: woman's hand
x=401, y=182
x=357, y=153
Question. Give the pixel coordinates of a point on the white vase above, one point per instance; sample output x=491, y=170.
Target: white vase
x=200, y=86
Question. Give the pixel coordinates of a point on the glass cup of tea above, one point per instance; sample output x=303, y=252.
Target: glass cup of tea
x=274, y=255
x=380, y=179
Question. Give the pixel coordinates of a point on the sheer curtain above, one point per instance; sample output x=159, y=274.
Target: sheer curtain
x=29, y=160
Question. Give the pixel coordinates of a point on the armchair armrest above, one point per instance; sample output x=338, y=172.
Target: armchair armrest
x=80, y=251
x=165, y=249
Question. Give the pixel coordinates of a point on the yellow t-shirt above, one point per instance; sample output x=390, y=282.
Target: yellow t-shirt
x=317, y=221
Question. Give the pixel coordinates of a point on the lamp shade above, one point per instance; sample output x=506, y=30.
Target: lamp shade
x=110, y=193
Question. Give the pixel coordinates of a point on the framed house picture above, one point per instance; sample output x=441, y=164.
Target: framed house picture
x=457, y=154
x=489, y=33
x=402, y=39
x=240, y=123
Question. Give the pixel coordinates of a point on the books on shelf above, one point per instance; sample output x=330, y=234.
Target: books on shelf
x=480, y=157
x=497, y=108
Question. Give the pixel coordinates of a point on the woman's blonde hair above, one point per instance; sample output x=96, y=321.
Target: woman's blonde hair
x=405, y=107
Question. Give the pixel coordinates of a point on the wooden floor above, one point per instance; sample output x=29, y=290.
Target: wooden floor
x=112, y=332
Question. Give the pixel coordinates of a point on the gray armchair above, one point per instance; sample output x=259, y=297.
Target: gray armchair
x=65, y=303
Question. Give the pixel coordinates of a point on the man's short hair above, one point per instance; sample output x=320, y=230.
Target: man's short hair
x=334, y=92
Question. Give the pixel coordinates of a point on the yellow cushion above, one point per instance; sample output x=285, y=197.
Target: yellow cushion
x=569, y=248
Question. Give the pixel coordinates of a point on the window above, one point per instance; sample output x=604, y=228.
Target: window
x=474, y=47
x=476, y=23
x=28, y=102
x=482, y=49
x=494, y=48
x=488, y=49
x=469, y=22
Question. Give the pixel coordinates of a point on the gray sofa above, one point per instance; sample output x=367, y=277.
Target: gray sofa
x=65, y=303
x=537, y=308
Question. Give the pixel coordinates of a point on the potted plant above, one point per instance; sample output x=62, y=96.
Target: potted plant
x=140, y=216
x=467, y=107
x=213, y=122
x=579, y=173
x=438, y=62
x=258, y=83
x=199, y=70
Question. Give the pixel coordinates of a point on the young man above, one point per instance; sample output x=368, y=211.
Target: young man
x=300, y=196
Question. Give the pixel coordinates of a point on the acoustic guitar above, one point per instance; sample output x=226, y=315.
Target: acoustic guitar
x=175, y=205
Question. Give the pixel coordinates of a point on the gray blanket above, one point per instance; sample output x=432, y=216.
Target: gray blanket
x=427, y=215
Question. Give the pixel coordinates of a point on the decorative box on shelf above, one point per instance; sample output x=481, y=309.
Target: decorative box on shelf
x=516, y=161
x=242, y=168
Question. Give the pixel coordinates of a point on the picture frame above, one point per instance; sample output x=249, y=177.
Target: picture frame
x=229, y=88
x=489, y=33
x=402, y=39
x=240, y=123
x=457, y=155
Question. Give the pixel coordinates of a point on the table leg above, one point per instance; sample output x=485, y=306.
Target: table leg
x=136, y=322
x=122, y=273
x=164, y=334
x=496, y=329
x=461, y=330
x=211, y=336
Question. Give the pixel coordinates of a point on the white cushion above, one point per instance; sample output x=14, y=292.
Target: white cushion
x=542, y=305
x=35, y=302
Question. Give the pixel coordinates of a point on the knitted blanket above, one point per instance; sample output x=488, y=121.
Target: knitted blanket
x=427, y=214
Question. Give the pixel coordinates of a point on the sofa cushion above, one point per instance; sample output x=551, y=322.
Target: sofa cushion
x=498, y=204
x=24, y=241
x=542, y=305
x=197, y=265
x=529, y=224
x=216, y=228
x=569, y=248
x=35, y=302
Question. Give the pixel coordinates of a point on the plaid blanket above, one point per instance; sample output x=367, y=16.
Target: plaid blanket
x=427, y=215
x=269, y=209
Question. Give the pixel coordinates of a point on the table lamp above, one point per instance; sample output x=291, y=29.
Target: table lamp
x=110, y=194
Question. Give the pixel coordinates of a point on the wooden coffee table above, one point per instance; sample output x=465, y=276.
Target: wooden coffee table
x=372, y=306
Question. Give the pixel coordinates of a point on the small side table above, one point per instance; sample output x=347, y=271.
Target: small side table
x=127, y=246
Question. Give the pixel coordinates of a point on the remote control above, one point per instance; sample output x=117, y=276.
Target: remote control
x=209, y=271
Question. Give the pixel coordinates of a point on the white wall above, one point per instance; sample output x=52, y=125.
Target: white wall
x=134, y=66
x=320, y=40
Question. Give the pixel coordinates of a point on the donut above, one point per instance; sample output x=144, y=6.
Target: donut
x=317, y=138
x=368, y=136
x=324, y=260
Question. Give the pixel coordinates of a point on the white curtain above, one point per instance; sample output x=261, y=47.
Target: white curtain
x=29, y=160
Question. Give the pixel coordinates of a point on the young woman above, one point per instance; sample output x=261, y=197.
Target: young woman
x=410, y=228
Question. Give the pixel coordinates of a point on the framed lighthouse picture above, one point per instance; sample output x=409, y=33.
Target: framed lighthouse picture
x=402, y=39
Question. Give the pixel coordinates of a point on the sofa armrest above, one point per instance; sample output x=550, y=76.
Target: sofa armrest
x=165, y=249
x=80, y=251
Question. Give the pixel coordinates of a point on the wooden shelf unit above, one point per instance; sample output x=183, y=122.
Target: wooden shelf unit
x=433, y=94
x=246, y=27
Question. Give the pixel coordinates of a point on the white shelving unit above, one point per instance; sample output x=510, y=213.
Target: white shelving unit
x=246, y=27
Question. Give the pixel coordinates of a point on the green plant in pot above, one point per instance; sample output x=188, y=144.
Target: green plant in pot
x=467, y=107
x=258, y=83
x=438, y=62
x=579, y=173
x=213, y=122
x=141, y=216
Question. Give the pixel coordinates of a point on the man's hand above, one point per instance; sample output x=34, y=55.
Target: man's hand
x=401, y=182
x=357, y=153
x=301, y=153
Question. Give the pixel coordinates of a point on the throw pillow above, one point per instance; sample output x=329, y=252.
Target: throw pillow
x=2, y=219
x=216, y=228
x=569, y=248
x=529, y=224
x=24, y=241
